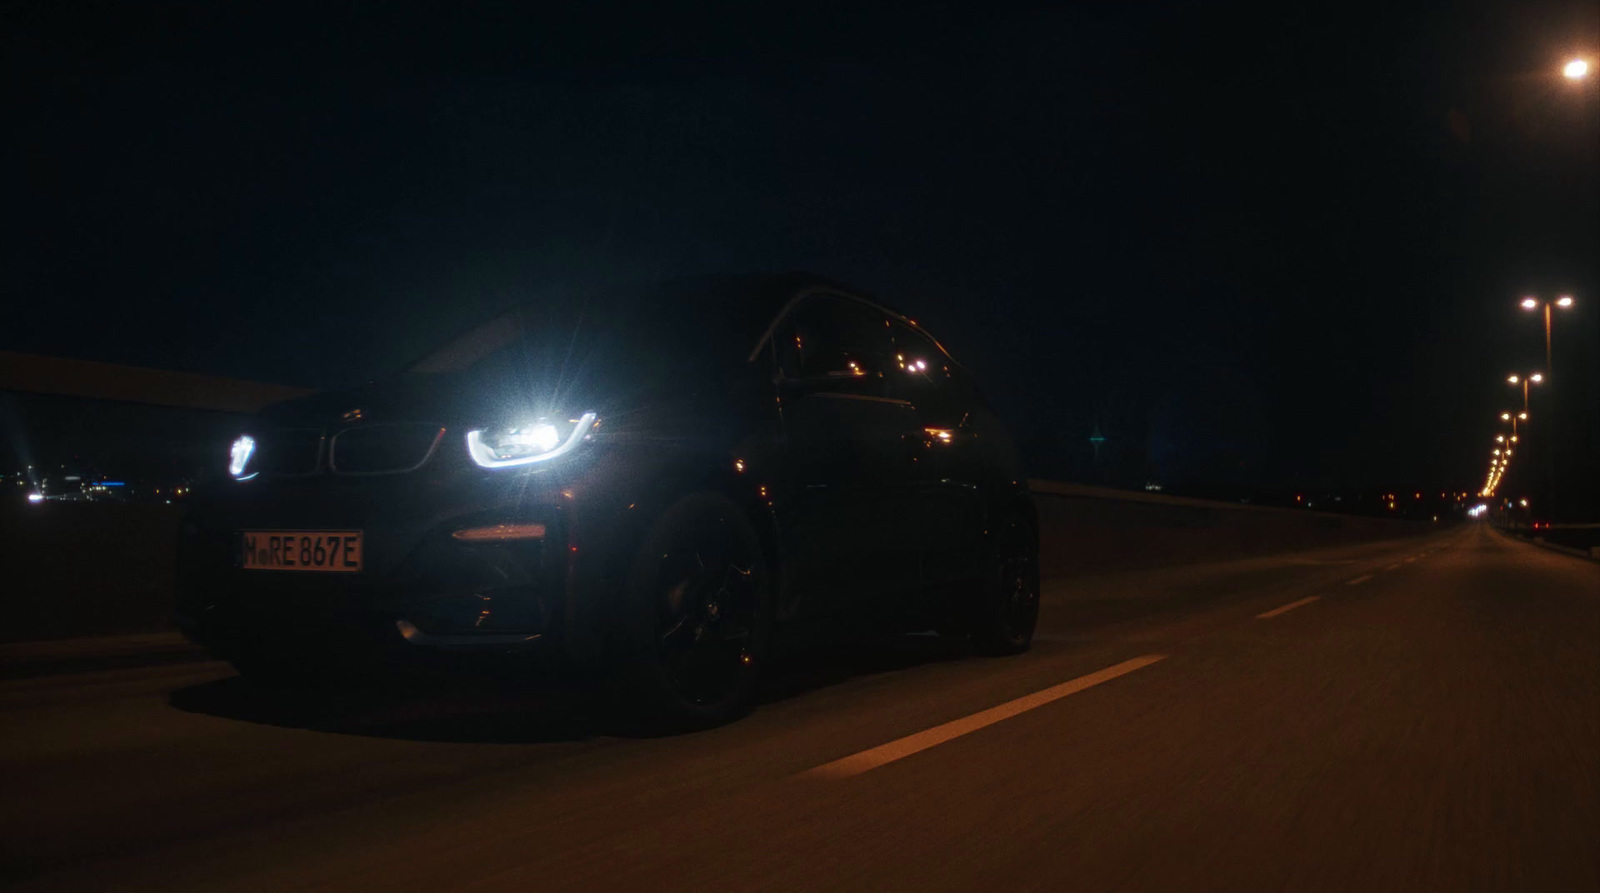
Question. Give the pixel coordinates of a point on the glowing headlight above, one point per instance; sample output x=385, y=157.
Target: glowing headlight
x=539, y=440
x=239, y=456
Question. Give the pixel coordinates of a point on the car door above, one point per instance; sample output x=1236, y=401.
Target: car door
x=945, y=485
x=846, y=444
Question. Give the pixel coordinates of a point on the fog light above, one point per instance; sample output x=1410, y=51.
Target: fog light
x=500, y=532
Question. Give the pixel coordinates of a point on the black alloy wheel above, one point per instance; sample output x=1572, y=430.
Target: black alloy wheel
x=702, y=590
x=1008, y=602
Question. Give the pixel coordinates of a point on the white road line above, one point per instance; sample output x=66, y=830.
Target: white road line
x=855, y=764
x=1391, y=567
x=1289, y=607
x=1361, y=579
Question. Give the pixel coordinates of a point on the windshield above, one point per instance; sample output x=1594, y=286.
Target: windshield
x=679, y=325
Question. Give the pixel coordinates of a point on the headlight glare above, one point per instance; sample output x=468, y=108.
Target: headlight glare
x=239, y=456
x=538, y=440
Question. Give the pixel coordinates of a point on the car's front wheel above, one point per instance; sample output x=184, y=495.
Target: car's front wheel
x=700, y=612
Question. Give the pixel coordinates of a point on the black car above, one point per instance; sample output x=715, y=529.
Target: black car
x=668, y=485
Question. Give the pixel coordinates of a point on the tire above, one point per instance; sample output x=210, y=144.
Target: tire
x=699, y=613
x=1006, y=608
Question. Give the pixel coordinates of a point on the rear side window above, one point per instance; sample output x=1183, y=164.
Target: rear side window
x=827, y=337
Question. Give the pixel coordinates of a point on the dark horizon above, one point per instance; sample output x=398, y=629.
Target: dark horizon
x=1250, y=248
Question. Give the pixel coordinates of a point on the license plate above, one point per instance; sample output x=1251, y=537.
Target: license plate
x=337, y=551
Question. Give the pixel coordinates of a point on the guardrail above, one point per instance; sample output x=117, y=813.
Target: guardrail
x=1088, y=529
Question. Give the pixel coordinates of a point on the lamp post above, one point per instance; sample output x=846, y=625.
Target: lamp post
x=1532, y=303
x=1525, y=380
x=1513, y=418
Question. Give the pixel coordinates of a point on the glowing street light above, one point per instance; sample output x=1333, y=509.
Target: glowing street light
x=1532, y=303
x=1525, y=380
x=1575, y=70
x=1513, y=418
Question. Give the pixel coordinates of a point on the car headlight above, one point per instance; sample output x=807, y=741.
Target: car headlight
x=537, y=440
x=239, y=456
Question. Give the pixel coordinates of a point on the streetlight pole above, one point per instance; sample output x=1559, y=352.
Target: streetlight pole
x=1532, y=303
x=1525, y=380
x=1512, y=418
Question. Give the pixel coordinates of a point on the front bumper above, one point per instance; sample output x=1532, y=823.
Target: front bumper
x=421, y=589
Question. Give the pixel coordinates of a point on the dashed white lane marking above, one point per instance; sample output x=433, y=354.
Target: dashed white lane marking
x=1361, y=579
x=855, y=764
x=1289, y=607
x=1391, y=567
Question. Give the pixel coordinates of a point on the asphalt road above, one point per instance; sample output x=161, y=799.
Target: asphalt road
x=1421, y=714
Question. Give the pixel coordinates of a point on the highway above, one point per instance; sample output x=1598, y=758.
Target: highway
x=1415, y=714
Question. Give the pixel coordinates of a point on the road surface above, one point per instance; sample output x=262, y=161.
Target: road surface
x=1420, y=714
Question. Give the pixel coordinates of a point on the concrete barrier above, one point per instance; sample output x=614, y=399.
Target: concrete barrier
x=1092, y=529
x=84, y=569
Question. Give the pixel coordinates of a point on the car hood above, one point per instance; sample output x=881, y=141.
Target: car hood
x=450, y=400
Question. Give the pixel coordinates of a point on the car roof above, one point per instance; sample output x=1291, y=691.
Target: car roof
x=742, y=306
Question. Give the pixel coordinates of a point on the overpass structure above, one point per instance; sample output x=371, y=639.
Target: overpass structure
x=61, y=376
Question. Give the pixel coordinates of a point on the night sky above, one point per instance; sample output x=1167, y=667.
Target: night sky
x=1272, y=245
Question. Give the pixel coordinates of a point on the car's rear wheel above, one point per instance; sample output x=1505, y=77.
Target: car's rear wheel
x=1006, y=609
x=700, y=615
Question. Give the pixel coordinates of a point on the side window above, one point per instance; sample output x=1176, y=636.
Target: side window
x=833, y=337
x=920, y=372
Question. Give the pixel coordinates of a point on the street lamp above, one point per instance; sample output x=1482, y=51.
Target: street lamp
x=1575, y=70
x=1525, y=380
x=1532, y=303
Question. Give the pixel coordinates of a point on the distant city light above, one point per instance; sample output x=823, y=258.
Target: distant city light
x=36, y=497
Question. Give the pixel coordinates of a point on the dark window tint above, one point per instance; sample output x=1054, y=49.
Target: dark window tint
x=660, y=331
x=922, y=373
x=834, y=337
